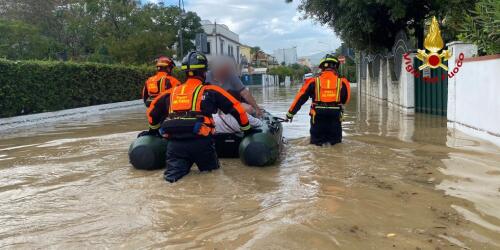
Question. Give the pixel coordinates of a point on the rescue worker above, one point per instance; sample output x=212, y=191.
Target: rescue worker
x=161, y=82
x=184, y=114
x=328, y=92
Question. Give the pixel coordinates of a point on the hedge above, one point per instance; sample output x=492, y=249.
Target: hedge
x=28, y=87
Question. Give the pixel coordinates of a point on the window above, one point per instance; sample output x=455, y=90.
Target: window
x=222, y=47
x=238, y=54
x=208, y=48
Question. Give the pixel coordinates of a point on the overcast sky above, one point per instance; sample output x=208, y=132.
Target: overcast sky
x=269, y=24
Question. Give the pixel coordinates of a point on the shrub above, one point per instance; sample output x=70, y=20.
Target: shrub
x=482, y=26
x=28, y=87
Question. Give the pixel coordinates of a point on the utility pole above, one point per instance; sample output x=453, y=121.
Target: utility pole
x=181, y=40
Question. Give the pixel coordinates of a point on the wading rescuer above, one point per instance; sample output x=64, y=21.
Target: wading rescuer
x=328, y=92
x=184, y=114
x=161, y=82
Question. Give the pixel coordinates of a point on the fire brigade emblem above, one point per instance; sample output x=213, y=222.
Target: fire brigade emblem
x=433, y=43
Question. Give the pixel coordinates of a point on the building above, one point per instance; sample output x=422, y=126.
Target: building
x=271, y=60
x=246, y=54
x=305, y=62
x=286, y=56
x=221, y=41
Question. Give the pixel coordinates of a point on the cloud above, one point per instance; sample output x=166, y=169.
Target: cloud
x=269, y=24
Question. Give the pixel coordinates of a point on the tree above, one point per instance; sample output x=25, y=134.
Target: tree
x=108, y=31
x=482, y=26
x=295, y=71
x=372, y=25
x=191, y=24
x=22, y=41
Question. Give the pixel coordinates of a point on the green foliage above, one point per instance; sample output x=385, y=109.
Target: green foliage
x=348, y=69
x=35, y=86
x=295, y=71
x=482, y=26
x=372, y=25
x=105, y=31
x=22, y=41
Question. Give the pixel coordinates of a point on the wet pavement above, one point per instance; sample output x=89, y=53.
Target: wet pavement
x=397, y=182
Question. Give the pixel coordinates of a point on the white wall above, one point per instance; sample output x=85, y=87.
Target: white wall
x=407, y=88
x=473, y=93
x=398, y=93
x=455, y=49
x=270, y=80
x=476, y=99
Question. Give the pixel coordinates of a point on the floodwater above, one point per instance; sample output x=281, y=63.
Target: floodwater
x=397, y=182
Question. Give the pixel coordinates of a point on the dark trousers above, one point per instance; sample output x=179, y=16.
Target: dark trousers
x=182, y=154
x=326, y=129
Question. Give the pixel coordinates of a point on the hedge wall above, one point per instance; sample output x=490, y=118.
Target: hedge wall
x=28, y=87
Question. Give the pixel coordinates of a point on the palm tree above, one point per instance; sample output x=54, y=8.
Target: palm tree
x=255, y=51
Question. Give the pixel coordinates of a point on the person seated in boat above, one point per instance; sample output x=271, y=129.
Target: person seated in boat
x=223, y=73
x=227, y=124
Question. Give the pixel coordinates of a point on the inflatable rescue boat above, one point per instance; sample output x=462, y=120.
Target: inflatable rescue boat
x=258, y=149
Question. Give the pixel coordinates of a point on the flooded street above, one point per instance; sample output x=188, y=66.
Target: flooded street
x=397, y=182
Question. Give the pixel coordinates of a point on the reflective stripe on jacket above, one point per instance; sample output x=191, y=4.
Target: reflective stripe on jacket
x=193, y=98
x=157, y=85
x=326, y=93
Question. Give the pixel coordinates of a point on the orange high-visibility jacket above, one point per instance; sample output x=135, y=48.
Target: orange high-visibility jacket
x=156, y=85
x=328, y=89
x=195, y=98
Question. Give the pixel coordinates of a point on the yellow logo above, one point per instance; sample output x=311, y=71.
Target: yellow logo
x=433, y=43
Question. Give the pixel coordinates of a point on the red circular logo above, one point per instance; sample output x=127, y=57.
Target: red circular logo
x=434, y=60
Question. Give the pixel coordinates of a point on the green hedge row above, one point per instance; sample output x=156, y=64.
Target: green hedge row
x=28, y=87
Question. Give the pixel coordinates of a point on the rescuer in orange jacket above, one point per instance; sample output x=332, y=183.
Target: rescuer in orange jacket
x=183, y=114
x=328, y=92
x=161, y=82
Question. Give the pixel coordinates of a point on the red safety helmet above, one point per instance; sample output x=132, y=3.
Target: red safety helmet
x=164, y=61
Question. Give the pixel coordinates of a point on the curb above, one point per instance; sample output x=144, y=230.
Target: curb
x=48, y=117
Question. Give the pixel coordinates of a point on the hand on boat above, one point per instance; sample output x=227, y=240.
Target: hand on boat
x=258, y=113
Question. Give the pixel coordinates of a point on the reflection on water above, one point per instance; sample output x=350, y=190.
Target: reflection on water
x=397, y=181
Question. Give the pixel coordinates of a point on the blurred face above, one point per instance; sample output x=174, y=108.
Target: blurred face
x=223, y=71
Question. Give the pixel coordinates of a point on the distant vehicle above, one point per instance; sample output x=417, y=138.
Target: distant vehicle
x=308, y=75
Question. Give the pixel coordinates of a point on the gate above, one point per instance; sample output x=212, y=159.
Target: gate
x=431, y=94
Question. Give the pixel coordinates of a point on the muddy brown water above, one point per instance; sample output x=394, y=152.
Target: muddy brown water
x=397, y=182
